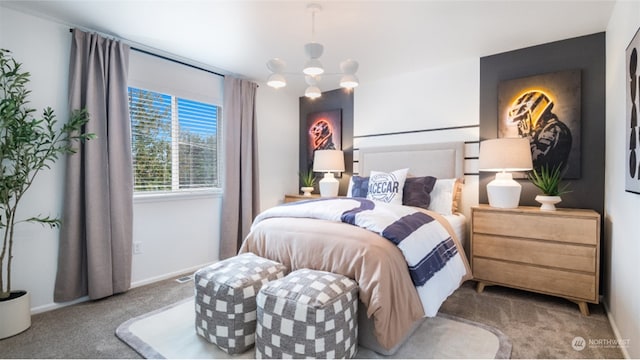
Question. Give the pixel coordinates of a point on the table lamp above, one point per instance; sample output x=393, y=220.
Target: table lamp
x=504, y=155
x=328, y=161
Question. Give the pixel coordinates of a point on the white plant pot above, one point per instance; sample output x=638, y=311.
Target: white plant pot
x=15, y=315
x=548, y=202
x=306, y=190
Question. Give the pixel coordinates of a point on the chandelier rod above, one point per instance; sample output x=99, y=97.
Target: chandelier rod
x=314, y=8
x=313, y=26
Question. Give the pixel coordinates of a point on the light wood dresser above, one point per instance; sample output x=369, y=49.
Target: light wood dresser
x=549, y=252
x=295, y=197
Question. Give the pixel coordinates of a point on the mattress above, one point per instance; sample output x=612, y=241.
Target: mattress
x=459, y=224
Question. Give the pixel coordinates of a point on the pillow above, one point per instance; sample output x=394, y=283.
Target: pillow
x=416, y=191
x=445, y=196
x=387, y=187
x=358, y=187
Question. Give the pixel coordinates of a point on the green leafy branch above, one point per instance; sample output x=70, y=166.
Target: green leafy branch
x=307, y=178
x=27, y=146
x=548, y=180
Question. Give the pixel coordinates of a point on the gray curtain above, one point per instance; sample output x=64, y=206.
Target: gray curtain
x=240, y=203
x=94, y=256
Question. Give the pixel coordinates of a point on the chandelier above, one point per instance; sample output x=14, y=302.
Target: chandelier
x=313, y=70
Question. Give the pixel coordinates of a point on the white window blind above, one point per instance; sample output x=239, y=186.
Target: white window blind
x=175, y=119
x=169, y=77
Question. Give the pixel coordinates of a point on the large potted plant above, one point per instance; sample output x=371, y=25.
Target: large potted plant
x=548, y=181
x=28, y=144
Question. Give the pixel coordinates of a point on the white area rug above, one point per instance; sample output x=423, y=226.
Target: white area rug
x=169, y=333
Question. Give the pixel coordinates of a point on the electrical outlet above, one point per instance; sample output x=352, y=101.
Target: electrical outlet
x=137, y=247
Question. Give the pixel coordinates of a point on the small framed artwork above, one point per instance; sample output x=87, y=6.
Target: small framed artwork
x=545, y=109
x=324, y=132
x=632, y=171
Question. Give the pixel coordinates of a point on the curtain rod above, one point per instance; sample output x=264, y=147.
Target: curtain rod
x=169, y=59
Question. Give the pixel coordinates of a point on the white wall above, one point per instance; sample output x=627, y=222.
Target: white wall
x=442, y=96
x=43, y=48
x=278, y=126
x=622, y=250
x=178, y=234
x=435, y=98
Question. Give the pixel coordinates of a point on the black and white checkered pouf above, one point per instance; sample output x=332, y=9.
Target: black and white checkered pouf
x=308, y=313
x=226, y=299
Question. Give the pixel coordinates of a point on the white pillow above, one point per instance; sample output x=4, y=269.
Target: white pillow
x=444, y=196
x=387, y=187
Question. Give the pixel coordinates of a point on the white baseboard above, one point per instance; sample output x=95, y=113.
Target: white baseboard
x=54, y=306
x=168, y=275
x=616, y=332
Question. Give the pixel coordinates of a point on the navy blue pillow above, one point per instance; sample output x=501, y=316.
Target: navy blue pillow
x=416, y=191
x=360, y=186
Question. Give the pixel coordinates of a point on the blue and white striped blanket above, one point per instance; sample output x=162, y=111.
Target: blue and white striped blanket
x=435, y=264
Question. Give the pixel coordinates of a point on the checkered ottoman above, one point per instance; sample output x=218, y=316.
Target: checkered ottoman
x=226, y=299
x=308, y=313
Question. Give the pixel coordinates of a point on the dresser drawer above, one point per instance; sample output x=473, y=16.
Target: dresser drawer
x=546, y=227
x=528, y=277
x=560, y=255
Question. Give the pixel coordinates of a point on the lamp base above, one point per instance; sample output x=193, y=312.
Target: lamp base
x=328, y=185
x=504, y=192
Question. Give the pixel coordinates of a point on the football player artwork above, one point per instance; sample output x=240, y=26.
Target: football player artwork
x=324, y=132
x=546, y=110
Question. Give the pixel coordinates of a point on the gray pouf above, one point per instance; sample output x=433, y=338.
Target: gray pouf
x=308, y=313
x=226, y=299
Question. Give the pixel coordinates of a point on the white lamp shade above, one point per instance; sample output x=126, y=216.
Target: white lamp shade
x=313, y=50
x=276, y=65
x=328, y=161
x=313, y=67
x=349, y=66
x=349, y=81
x=276, y=81
x=505, y=154
x=312, y=92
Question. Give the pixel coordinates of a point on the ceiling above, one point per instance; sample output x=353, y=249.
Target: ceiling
x=385, y=37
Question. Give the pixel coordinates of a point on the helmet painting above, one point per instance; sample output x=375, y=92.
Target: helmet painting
x=321, y=135
x=529, y=107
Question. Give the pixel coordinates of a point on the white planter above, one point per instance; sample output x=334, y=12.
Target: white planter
x=15, y=315
x=306, y=190
x=548, y=202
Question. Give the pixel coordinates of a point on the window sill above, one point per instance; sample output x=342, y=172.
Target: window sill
x=176, y=196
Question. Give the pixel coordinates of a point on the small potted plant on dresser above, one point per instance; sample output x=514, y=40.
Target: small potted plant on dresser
x=308, y=181
x=28, y=145
x=548, y=181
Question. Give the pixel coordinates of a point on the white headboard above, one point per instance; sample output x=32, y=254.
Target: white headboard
x=441, y=160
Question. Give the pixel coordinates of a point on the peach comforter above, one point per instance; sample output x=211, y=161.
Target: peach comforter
x=378, y=266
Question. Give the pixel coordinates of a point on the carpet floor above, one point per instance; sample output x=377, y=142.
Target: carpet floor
x=538, y=326
x=169, y=333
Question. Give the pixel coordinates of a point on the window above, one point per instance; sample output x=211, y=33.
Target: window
x=175, y=122
x=174, y=142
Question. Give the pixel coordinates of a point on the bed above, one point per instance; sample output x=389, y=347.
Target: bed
x=393, y=304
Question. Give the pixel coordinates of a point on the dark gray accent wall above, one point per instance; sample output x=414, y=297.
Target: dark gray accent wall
x=330, y=100
x=586, y=53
